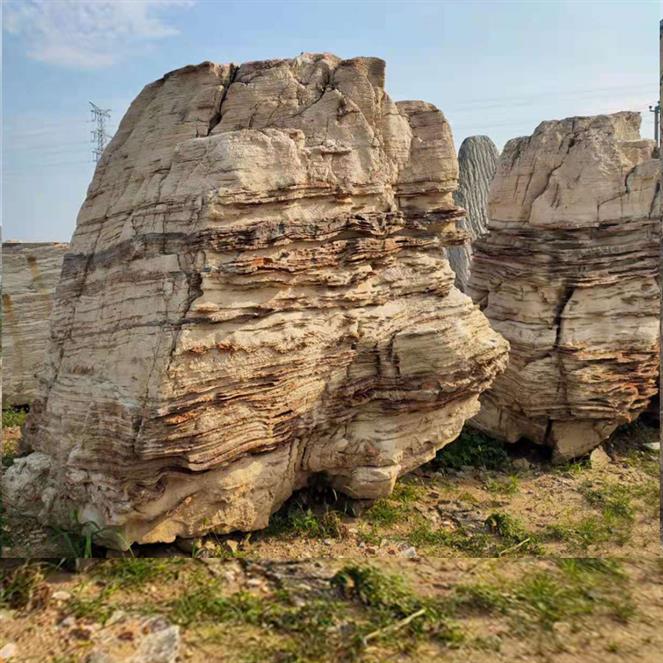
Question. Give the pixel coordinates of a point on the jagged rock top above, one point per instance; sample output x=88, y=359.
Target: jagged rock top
x=571, y=173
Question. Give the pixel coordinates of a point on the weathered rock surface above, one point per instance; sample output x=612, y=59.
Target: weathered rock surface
x=568, y=273
x=30, y=273
x=255, y=297
x=477, y=161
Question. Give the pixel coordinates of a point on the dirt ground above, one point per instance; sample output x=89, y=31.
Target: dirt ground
x=488, y=553
x=452, y=610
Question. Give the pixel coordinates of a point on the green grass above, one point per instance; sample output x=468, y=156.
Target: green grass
x=614, y=500
x=97, y=608
x=395, y=508
x=12, y=417
x=424, y=536
x=362, y=614
x=508, y=485
x=573, y=469
x=503, y=534
x=539, y=599
x=20, y=587
x=473, y=449
x=298, y=521
x=513, y=534
x=135, y=572
x=80, y=537
x=389, y=602
x=612, y=524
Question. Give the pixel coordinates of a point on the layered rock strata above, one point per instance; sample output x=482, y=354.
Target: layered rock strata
x=477, y=161
x=30, y=273
x=568, y=273
x=255, y=299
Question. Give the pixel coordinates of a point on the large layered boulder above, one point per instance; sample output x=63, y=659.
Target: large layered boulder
x=568, y=273
x=30, y=273
x=254, y=299
x=477, y=161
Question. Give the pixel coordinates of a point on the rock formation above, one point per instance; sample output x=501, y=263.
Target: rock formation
x=568, y=273
x=254, y=299
x=30, y=273
x=477, y=160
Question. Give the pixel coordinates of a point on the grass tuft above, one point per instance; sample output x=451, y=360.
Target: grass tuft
x=473, y=449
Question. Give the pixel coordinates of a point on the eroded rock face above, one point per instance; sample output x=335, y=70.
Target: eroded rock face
x=254, y=299
x=477, y=161
x=30, y=273
x=568, y=273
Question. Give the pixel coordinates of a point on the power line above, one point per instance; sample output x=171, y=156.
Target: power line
x=99, y=135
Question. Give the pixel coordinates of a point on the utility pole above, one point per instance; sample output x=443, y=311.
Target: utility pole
x=99, y=135
x=657, y=114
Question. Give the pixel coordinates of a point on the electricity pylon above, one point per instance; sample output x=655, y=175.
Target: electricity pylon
x=99, y=135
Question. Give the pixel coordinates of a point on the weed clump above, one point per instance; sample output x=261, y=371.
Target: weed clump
x=473, y=449
x=14, y=417
x=23, y=588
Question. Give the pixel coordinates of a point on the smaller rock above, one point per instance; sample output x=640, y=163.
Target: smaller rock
x=117, y=617
x=126, y=635
x=232, y=545
x=161, y=646
x=154, y=624
x=652, y=446
x=599, y=458
x=61, y=596
x=409, y=552
x=96, y=656
x=188, y=545
x=81, y=633
x=328, y=542
x=521, y=464
x=67, y=622
x=9, y=651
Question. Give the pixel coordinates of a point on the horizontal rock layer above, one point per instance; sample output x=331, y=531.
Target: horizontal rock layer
x=30, y=273
x=477, y=161
x=255, y=298
x=568, y=273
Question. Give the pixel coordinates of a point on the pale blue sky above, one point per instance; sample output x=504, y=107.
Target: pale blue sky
x=496, y=68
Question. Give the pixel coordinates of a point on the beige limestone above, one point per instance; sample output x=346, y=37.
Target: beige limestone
x=30, y=273
x=568, y=273
x=255, y=299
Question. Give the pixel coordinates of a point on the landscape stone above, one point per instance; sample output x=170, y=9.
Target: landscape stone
x=569, y=274
x=477, y=161
x=255, y=298
x=30, y=273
